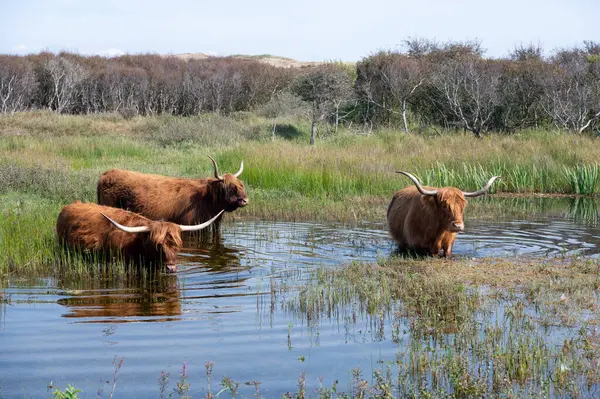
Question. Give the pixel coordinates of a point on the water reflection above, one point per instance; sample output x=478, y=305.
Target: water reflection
x=157, y=298
x=583, y=210
x=211, y=255
x=524, y=226
x=207, y=269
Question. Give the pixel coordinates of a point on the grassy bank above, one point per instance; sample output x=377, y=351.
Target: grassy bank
x=49, y=160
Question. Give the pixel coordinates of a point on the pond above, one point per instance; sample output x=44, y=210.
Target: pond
x=222, y=306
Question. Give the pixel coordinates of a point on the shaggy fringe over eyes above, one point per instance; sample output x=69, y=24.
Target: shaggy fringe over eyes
x=232, y=185
x=453, y=199
x=166, y=234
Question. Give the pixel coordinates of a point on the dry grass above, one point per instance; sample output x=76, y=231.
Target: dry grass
x=501, y=272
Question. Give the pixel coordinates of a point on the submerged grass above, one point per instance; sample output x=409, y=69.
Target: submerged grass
x=471, y=328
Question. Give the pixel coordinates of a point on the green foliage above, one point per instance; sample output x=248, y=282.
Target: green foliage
x=582, y=179
x=69, y=393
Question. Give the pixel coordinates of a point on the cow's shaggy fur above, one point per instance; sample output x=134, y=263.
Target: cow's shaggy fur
x=426, y=224
x=426, y=219
x=81, y=226
x=177, y=200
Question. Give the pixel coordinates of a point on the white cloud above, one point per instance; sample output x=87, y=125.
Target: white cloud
x=20, y=48
x=111, y=52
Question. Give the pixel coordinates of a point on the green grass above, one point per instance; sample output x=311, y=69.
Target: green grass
x=582, y=179
x=49, y=160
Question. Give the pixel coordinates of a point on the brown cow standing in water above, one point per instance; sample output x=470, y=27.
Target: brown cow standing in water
x=426, y=219
x=177, y=200
x=106, y=230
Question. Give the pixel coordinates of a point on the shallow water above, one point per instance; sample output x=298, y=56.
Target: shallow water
x=220, y=307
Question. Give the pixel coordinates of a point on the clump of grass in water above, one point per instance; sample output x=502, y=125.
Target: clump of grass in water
x=437, y=304
x=582, y=179
x=466, y=343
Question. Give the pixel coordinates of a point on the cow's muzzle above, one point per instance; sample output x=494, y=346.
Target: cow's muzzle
x=243, y=202
x=171, y=268
x=457, y=226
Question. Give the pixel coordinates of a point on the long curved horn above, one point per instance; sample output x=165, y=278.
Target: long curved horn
x=137, y=229
x=419, y=187
x=483, y=190
x=239, y=172
x=201, y=225
x=216, y=168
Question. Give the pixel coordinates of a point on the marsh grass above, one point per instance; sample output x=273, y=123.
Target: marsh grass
x=49, y=160
x=53, y=183
x=471, y=328
x=582, y=179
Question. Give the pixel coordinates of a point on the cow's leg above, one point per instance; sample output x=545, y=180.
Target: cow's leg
x=436, y=247
x=447, y=243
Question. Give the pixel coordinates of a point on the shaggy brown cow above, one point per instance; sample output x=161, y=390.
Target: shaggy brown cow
x=177, y=200
x=87, y=226
x=426, y=219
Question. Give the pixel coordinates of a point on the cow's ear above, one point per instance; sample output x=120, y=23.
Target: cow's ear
x=430, y=200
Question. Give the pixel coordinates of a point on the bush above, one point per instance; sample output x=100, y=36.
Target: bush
x=128, y=112
x=209, y=129
x=52, y=183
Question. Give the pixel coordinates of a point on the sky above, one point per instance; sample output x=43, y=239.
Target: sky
x=306, y=30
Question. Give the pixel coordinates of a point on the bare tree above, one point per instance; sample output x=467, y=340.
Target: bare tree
x=403, y=76
x=321, y=86
x=527, y=52
x=65, y=77
x=573, y=89
x=521, y=93
x=468, y=88
x=17, y=84
x=417, y=47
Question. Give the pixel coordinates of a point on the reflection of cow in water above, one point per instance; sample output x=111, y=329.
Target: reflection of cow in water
x=212, y=270
x=105, y=230
x=158, y=299
x=426, y=219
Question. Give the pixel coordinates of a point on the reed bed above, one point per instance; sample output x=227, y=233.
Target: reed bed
x=469, y=328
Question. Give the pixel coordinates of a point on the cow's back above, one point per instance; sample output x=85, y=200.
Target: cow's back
x=156, y=197
x=80, y=227
x=412, y=220
x=117, y=188
x=132, y=191
x=398, y=211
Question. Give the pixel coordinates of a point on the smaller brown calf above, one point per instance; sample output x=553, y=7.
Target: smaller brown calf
x=103, y=229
